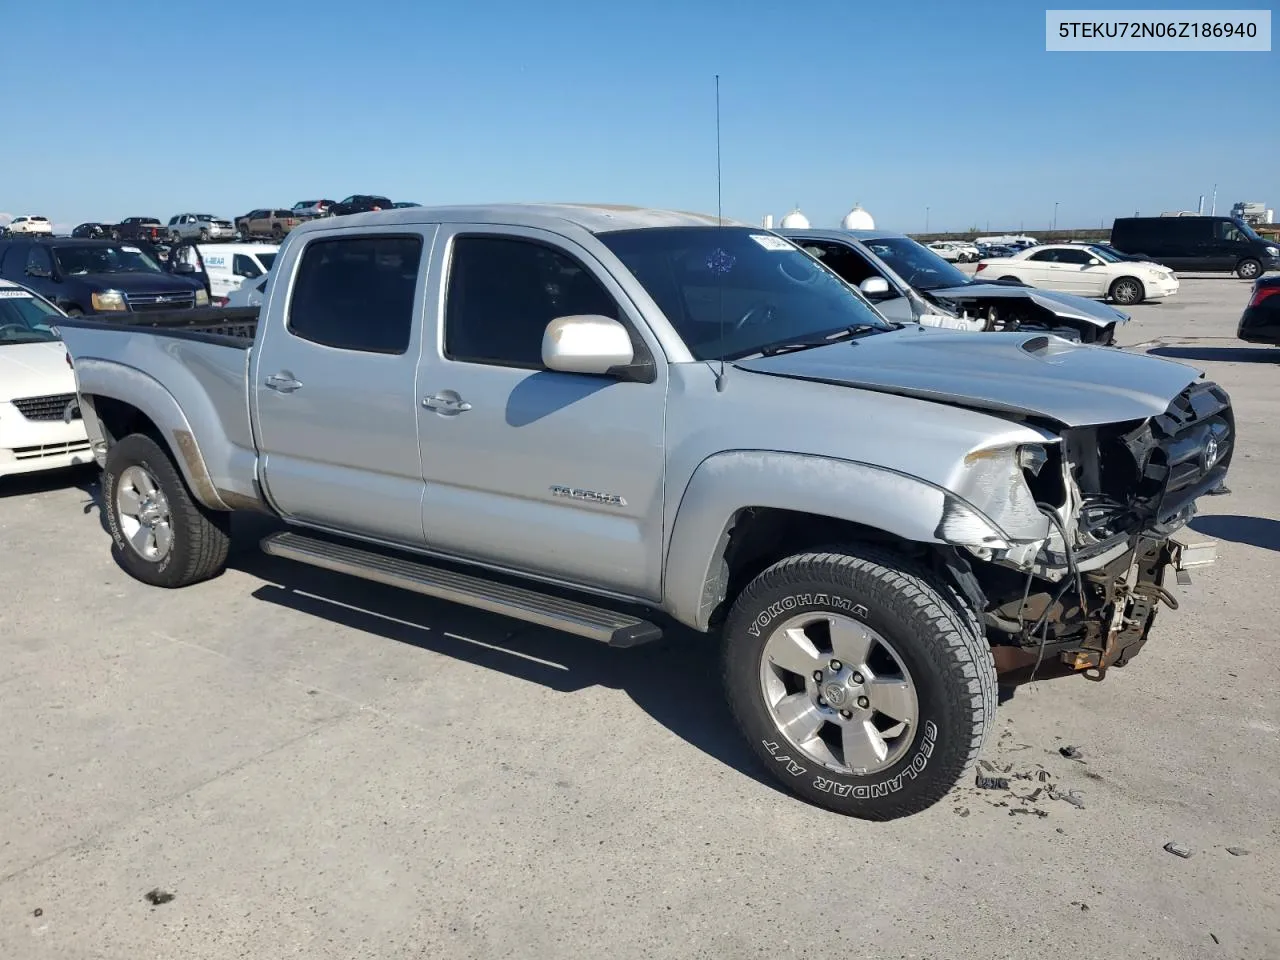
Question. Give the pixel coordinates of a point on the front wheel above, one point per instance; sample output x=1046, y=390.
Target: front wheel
x=1128, y=291
x=1248, y=269
x=860, y=680
x=162, y=535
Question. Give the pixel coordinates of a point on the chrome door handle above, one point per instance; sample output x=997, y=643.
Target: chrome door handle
x=282, y=384
x=446, y=404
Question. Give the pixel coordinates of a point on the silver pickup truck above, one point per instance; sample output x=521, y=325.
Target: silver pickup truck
x=610, y=420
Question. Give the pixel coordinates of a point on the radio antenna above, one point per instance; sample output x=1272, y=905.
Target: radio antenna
x=720, y=225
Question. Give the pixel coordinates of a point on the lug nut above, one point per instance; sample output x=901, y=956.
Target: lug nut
x=836, y=665
x=822, y=702
x=846, y=714
x=863, y=702
x=857, y=678
x=817, y=675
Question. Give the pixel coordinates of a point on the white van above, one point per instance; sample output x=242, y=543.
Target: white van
x=231, y=264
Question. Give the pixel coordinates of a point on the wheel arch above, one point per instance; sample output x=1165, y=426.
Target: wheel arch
x=148, y=408
x=743, y=510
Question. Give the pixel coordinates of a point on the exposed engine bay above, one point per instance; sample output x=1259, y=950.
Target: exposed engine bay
x=1115, y=495
x=1006, y=314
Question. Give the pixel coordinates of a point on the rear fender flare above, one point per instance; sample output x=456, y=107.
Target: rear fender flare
x=117, y=381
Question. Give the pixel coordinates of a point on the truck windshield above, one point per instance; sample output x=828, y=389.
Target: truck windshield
x=919, y=266
x=24, y=319
x=266, y=259
x=733, y=291
x=104, y=258
x=1102, y=253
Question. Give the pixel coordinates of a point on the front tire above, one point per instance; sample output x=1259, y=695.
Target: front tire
x=1248, y=269
x=860, y=680
x=1127, y=291
x=162, y=535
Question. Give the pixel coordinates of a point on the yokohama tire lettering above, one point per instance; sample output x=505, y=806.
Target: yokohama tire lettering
x=788, y=604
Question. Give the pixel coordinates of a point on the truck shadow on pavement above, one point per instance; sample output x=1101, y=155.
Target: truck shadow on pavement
x=674, y=680
x=1253, y=531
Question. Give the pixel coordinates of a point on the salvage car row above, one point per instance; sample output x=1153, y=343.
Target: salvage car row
x=1018, y=496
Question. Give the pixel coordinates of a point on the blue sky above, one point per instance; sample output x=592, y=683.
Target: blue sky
x=899, y=106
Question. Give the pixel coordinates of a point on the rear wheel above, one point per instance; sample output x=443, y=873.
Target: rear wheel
x=204, y=235
x=1248, y=269
x=860, y=680
x=277, y=231
x=1128, y=291
x=162, y=535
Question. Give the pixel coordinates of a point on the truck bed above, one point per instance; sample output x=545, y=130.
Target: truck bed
x=225, y=326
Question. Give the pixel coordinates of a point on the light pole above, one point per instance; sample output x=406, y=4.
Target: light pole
x=1055, y=215
x=926, y=219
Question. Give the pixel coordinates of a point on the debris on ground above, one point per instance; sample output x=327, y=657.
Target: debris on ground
x=1214, y=938
x=962, y=811
x=157, y=896
x=1070, y=796
x=1178, y=849
x=37, y=912
x=1070, y=752
x=1084, y=907
x=991, y=783
x=1237, y=851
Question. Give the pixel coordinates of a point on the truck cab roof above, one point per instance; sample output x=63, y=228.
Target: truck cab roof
x=594, y=218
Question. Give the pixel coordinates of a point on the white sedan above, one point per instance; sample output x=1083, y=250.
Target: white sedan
x=1085, y=271
x=40, y=424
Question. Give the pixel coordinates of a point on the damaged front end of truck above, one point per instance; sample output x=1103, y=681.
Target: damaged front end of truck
x=1099, y=514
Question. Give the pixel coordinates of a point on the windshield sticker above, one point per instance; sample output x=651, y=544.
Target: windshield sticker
x=776, y=244
x=131, y=249
x=720, y=261
x=14, y=295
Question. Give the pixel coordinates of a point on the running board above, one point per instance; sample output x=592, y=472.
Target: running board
x=595, y=623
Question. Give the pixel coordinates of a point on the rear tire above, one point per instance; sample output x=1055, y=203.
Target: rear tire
x=791, y=636
x=204, y=235
x=1127, y=291
x=162, y=535
x=1248, y=269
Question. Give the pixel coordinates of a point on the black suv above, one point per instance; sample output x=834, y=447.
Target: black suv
x=97, y=276
x=359, y=203
x=91, y=231
x=1198, y=243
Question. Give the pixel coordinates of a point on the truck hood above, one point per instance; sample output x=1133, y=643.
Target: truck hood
x=136, y=282
x=34, y=370
x=1062, y=304
x=1028, y=374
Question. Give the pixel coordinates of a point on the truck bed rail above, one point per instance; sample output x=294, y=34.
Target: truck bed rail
x=229, y=326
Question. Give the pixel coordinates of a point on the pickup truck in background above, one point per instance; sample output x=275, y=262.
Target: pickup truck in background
x=608, y=419
x=139, y=230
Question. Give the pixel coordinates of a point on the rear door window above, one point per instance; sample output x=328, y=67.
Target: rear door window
x=357, y=293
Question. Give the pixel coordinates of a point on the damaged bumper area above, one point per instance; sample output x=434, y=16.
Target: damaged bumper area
x=1114, y=498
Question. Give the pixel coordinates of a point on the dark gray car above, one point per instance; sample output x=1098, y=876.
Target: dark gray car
x=909, y=283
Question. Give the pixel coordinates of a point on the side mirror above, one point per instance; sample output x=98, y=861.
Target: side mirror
x=1094, y=262
x=39, y=272
x=184, y=268
x=586, y=344
x=874, y=286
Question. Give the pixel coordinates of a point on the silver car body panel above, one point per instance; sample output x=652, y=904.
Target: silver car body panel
x=1028, y=374
x=900, y=308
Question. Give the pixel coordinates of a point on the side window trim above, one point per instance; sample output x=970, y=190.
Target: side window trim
x=642, y=369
